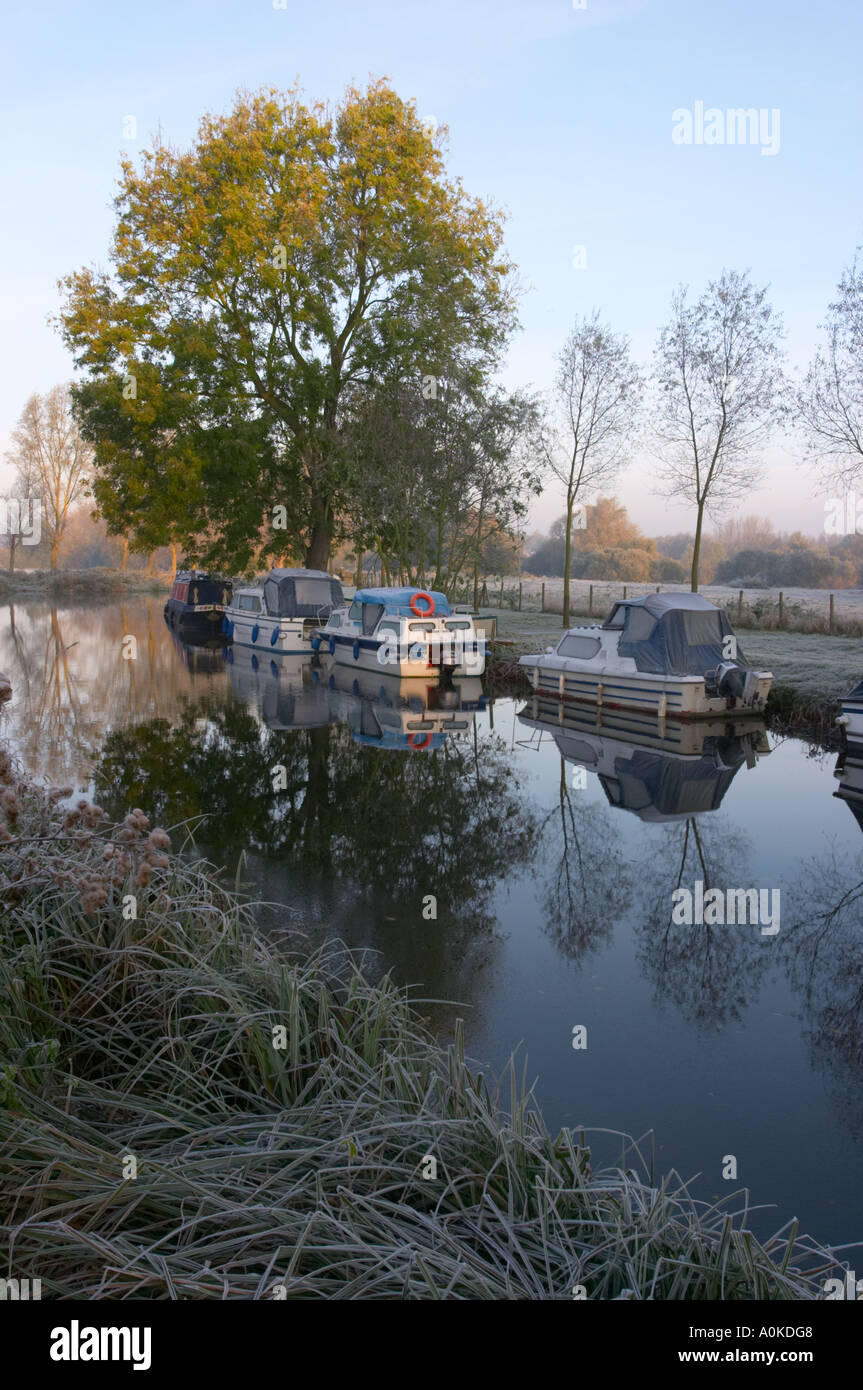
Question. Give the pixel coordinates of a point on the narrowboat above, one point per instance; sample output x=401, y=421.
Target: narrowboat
x=406, y=632
x=281, y=615
x=658, y=770
x=197, y=603
x=674, y=655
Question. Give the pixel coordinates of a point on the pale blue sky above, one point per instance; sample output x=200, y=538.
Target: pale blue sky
x=561, y=116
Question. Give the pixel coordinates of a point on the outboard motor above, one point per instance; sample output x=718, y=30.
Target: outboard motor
x=736, y=682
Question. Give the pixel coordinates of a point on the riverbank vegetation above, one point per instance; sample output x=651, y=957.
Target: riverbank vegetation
x=189, y=1109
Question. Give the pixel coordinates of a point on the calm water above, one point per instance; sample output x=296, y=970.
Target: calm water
x=552, y=850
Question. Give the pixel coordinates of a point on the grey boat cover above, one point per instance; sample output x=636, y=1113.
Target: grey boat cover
x=290, y=593
x=674, y=634
x=855, y=694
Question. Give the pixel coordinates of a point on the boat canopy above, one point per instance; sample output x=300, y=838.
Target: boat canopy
x=677, y=634
x=290, y=593
x=398, y=601
x=856, y=693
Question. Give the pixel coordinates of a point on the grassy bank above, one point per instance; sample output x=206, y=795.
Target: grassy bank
x=89, y=583
x=811, y=670
x=158, y=1139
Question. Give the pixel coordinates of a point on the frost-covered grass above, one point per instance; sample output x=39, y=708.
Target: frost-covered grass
x=156, y=1143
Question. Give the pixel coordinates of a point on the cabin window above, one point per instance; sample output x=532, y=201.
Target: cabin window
x=387, y=625
x=639, y=625
x=355, y=612
x=335, y=620
x=249, y=603
x=421, y=627
x=616, y=617
x=583, y=648
x=457, y=627
x=703, y=629
x=372, y=614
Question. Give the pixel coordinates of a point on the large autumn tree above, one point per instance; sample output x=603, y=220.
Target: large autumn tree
x=295, y=252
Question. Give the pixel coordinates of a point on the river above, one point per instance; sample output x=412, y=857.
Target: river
x=517, y=865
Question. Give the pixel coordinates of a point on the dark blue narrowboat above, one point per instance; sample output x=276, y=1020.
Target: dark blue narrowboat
x=198, y=602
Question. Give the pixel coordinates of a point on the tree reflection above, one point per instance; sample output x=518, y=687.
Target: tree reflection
x=396, y=826
x=582, y=899
x=710, y=974
x=823, y=953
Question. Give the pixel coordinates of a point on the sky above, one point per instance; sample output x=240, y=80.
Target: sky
x=562, y=114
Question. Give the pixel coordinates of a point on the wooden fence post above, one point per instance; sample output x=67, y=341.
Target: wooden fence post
x=543, y=597
x=590, y=602
x=780, y=607
x=519, y=598
x=624, y=591
x=832, y=610
x=740, y=605
x=500, y=600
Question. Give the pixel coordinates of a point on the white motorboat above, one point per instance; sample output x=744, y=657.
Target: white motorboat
x=406, y=632
x=673, y=655
x=281, y=614
x=659, y=770
x=851, y=720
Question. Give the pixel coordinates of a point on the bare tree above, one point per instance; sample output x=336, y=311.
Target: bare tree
x=47, y=447
x=830, y=402
x=596, y=394
x=720, y=391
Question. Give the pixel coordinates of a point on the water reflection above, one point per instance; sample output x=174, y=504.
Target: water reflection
x=660, y=770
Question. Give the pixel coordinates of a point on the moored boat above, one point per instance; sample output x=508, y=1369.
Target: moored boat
x=281, y=614
x=198, y=601
x=406, y=632
x=674, y=655
x=851, y=720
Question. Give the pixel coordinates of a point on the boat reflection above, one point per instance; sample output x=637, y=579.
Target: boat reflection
x=659, y=770
x=849, y=773
x=398, y=713
x=203, y=655
x=283, y=689
x=386, y=711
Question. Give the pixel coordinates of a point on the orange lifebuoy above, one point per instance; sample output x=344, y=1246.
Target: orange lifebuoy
x=412, y=741
x=423, y=612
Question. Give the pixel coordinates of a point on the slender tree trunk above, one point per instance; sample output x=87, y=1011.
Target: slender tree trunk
x=475, y=585
x=173, y=558
x=696, y=548
x=567, y=557
x=358, y=568
x=124, y=558
x=55, y=552
x=150, y=562
x=13, y=542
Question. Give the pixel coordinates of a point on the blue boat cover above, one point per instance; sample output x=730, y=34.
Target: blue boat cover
x=398, y=601
x=676, y=634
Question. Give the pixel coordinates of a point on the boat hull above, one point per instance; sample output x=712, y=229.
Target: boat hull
x=673, y=697
x=275, y=636
x=364, y=654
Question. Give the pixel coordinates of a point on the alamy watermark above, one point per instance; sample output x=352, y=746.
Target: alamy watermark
x=718, y=907
x=736, y=126
x=843, y=516
x=21, y=517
